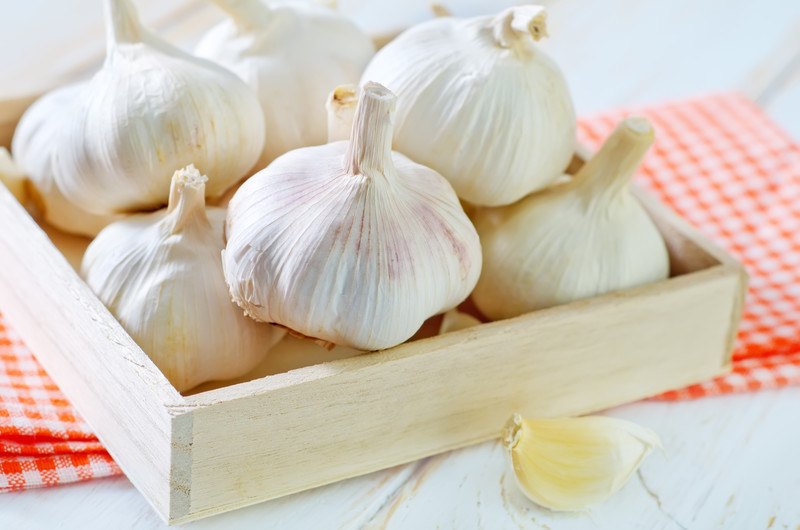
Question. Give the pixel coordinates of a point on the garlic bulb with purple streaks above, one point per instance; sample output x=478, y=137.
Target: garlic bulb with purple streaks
x=350, y=242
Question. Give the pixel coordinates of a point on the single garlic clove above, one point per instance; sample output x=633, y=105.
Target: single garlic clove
x=350, y=242
x=577, y=240
x=292, y=55
x=160, y=274
x=568, y=464
x=11, y=176
x=33, y=145
x=455, y=320
x=341, y=108
x=152, y=108
x=480, y=103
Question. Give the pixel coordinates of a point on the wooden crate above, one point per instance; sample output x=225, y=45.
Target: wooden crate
x=196, y=455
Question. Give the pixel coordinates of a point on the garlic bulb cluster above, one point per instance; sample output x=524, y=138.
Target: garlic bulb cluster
x=480, y=103
x=567, y=464
x=33, y=145
x=152, y=108
x=292, y=55
x=350, y=242
x=160, y=274
x=576, y=240
x=11, y=176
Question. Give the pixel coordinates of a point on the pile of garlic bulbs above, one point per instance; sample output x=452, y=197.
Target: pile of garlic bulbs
x=356, y=241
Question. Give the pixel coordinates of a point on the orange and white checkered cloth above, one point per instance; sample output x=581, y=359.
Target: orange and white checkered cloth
x=718, y=161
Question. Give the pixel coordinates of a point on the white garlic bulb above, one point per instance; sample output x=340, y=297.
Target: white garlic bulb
x=341, y=108
x=160, y=274
x=478, y=102
x=576, y=240
x=292, y=55
x=33, y=146
x=152, y=108
x=350, y=242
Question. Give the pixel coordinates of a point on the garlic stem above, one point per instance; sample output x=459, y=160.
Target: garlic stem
x=122, y=23
x=610, y=171
x=187, y=199
x=517, y=22
x=370, y=149
x=341, y=106
x=246, y=14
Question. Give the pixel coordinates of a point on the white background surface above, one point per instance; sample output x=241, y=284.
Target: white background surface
x=729, y=462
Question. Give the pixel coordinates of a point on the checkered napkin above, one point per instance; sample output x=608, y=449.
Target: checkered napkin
x=718, y=161
x=43, y=440
x=721, y=164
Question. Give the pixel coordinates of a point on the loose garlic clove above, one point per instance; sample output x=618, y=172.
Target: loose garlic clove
x=350, y=242
x=150, y=109
x=160, y=274
x=576, y=240
x=33, y=146
x=567, y=464
x=11, y=176
x=291, y=55
x=480, y=103
x=341, y=107
x=455, y=320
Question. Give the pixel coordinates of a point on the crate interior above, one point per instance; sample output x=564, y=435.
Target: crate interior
x=686, y=256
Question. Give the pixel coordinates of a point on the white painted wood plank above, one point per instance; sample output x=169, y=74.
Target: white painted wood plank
x=619, y=52
x=783, y=102
x=731, y=462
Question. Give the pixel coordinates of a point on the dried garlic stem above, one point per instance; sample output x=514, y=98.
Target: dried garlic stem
x=122, y=23
x=610, y=171
x=516, y=23
x=247, y=14
x=370, y=149
x=187, y=199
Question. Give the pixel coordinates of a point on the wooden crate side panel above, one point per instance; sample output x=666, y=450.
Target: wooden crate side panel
x=352, y=422
x=96, y=364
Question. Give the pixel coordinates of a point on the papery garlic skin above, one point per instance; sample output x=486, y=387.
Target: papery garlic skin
x=160, y=275
x=480, y=103
x=350, y=242
x=568, y=464
x=152, y=108
x=33, y=146
x=11, y=176
x=292, y=55
x=576, y=240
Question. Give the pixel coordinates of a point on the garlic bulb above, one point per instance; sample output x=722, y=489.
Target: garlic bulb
x=478, y=102
x=568, y=464
x=33, y=147
x=576, y=240
x=11, y=176
x=160, y=274
x=341, y=107
x=350, y=242
x=292, y=55
x=150, y=109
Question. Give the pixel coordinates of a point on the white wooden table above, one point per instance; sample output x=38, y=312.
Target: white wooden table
x=729, y=462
